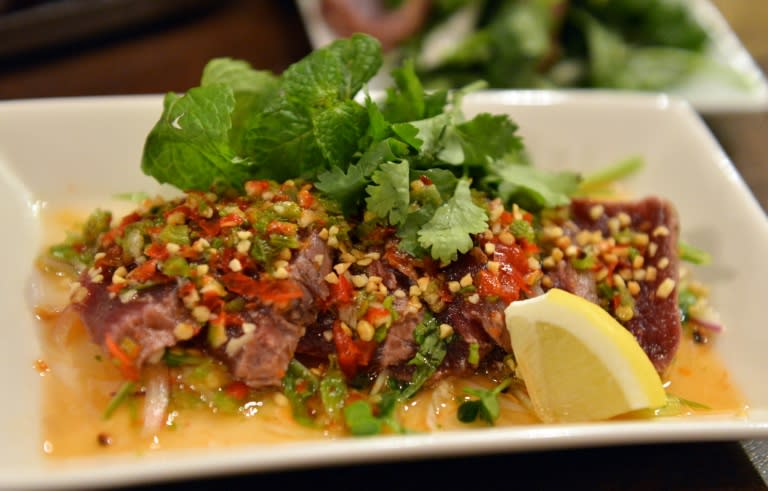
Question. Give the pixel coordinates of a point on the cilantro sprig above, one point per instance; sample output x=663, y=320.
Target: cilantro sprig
x=316, y=121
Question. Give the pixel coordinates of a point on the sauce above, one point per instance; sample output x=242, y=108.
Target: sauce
x=77, y=382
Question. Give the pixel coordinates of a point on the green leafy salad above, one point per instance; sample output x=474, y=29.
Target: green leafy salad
x=617, y=44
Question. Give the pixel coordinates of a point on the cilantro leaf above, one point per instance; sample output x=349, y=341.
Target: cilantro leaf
x=533, y=188
x=485, y=138
x=348, y=187
x=389, y=196
x=450, y=230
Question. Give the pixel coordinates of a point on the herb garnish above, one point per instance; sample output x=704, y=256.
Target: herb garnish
x=308, y=123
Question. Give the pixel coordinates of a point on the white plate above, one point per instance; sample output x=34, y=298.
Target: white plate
x=61, y=151
x=709, y=91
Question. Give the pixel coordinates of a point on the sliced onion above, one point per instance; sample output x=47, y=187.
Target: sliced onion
x=707, y=324
x=156, y=397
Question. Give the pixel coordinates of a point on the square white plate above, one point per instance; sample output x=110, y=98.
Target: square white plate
x=60, y=151
x=709, y=91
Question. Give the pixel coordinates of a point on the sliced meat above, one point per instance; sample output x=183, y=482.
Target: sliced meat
x=260, y=357
x=311, y=264
x=568, y=278
x=399, y=346
x=656, y=322
x=314, y=346
x=490, y=316
x=148, y=320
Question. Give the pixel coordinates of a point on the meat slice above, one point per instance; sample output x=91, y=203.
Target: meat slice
x=310, y=266
x=261, y=352
x=568, y=278
x=260, y=357
x=656, y=321
x=148, y=320
x=399, y=346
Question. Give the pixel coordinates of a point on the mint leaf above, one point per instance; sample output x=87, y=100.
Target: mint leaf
x=450, y=230
x=282, y=142
x=334, y=73
x=389, y=196
x=254, y=90
x=338, y=131
x=316, y=124
x=189, y=146
x=239, y=76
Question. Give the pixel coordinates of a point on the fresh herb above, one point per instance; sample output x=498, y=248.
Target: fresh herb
x=333, y=389
x=693, y=254
x=486, y=406
x=623, y=44
x=430, y=354
x=243, y=124
x=299, y=385
x=685, y=300
x=78, y=249
x=609, y=175
x=123, y=393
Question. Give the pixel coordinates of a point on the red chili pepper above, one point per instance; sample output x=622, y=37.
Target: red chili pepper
x=528, y=217
x=237, y=390
x=305, y=198
x=256, y=187
x=231, y=220
x=501, y=285
x=125, y=361
x=377, y=315
x=506, y=218
x=156, y=251
x=512, y=254
x=116, y=287
x=144, y=271
x=342, y=292
x=183, y=209
x=271, y=290
x=281, y=228
x=109, y=237
x=425, y=180
x=211, y=228
x=352, y=353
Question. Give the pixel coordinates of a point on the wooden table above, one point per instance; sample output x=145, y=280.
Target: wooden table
x=169, y=54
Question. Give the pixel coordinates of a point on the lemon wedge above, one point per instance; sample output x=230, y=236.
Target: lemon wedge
x=577, y=362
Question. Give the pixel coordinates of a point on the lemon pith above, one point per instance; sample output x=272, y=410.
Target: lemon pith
x=579, y=363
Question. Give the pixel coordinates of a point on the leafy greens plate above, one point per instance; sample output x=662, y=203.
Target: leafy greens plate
x=729, y=81
x=60, y=152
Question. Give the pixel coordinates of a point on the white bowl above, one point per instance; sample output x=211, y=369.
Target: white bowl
x=742, y=87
